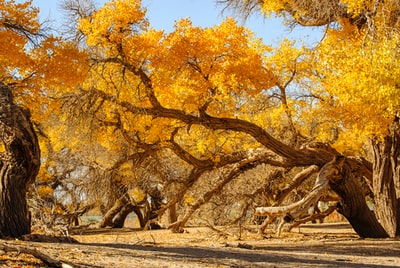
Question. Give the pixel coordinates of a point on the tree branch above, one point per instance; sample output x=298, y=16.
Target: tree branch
x=43, y=257
x=329, y=172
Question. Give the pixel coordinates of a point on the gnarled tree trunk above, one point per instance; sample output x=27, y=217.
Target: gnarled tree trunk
x=19, y=165
x=353, y=204
x=119, y=219
x=343, y=176
x=108, y=219
x=386, y=180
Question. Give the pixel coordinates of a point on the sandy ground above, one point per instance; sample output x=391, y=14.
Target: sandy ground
x=312, y=245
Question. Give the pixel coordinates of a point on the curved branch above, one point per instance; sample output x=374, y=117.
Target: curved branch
x=329, y=172
x=292, y=156
x=238, y=169
x=35, y=253
x=297, y=180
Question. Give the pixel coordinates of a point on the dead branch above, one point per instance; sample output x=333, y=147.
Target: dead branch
x=315, y=216
x=297, y=180
x=43, y=257
x=329, y=172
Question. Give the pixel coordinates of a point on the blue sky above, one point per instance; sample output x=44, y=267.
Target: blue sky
x=164, y=13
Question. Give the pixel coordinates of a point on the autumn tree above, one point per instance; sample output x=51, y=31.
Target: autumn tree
x=181, y=81
x=20, y=161
x=225, y=104
x=356, y=71
x=33, y=63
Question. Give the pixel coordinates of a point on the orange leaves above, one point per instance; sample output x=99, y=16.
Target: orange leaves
x=115, y=21
x=19, y=16
x=17, y=22
x=60, y=64
x=198, y=64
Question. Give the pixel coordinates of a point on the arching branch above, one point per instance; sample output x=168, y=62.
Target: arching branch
x=329, y=172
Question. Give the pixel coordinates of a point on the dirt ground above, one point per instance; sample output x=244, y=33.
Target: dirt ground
x=311, y=245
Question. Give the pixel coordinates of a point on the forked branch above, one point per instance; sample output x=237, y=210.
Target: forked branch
x=329, y=172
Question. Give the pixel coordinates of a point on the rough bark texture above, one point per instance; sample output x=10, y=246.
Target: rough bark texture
x=342, y=175
x=19, y=165
x=386, y=170
x=353, y=204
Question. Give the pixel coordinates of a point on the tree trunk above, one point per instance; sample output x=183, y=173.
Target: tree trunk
x=118, y=207
x=119, y=219
x=172, y=215
x=139, y=214
x=19, y=165
x=386, y=180
x=108, y=219
x=353, y=204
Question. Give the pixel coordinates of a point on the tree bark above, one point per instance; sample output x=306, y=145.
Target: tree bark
x=108, y=219
x=353, y=203
x=119, y=219
x=386, y=180
x=19, y=165
x=172, y=214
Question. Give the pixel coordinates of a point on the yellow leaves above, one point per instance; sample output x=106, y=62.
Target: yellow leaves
x=268, y=7
x=189, y=199
x=340, y=85
x=137, y=195
x=356, y=7
x=287, y=60
x=364, y=80
x=59, y=65
x=2, y=147
x=113, y=22
x=126, y=170
x=198, y=64
x=358, y=77
x=44, y=191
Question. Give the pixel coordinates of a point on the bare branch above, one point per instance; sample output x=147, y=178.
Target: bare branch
x=329, y=173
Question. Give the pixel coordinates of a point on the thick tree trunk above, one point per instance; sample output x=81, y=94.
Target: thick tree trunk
x=19, y=165
x=108, y=219
x=386, y=180
x=119, y=219
x=353, y=204
x=342, y=175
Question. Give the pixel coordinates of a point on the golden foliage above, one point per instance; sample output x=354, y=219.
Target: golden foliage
x=346, y=88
